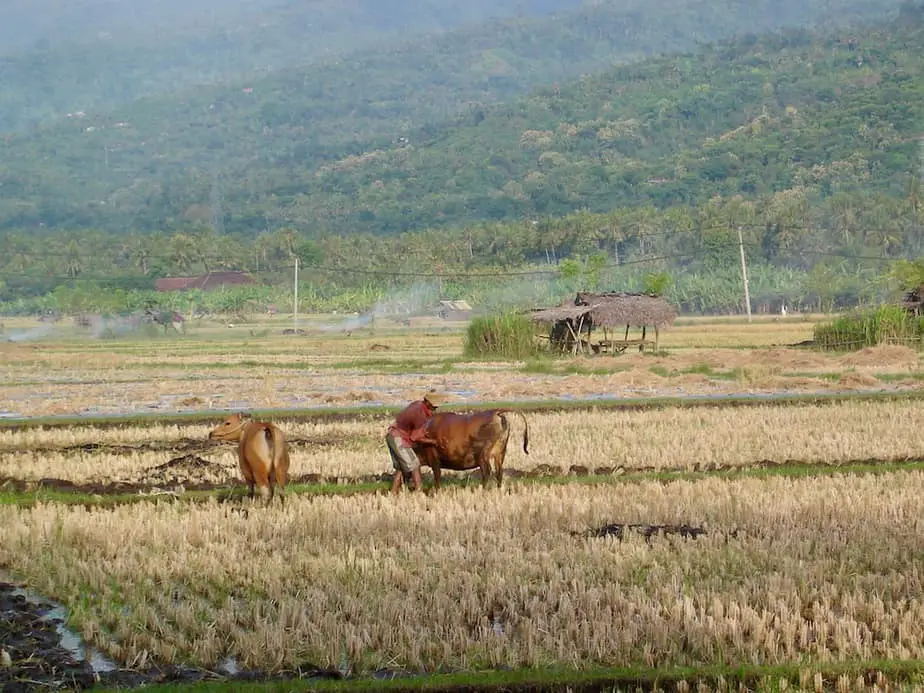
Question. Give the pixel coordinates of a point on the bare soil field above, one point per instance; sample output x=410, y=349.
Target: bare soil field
x=261, y=369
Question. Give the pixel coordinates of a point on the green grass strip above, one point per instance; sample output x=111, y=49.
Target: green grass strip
x=753, y=677
x=351, y=413
x=793, y=470
x=102, y=500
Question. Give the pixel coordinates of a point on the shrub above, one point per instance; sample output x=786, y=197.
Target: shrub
x=883, y=325
x=507, y=335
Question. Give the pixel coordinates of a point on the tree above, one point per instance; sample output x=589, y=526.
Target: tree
x=657, y=283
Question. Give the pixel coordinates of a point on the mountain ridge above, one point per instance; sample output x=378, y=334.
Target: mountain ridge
x=335, y=160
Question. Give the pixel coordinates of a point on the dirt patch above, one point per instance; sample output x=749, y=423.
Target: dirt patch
x=792, y=359
x=884, y=355
x=186, y=470
x=851, y=379
x=619, y=531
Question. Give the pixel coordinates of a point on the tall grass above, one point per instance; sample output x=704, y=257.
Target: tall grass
x=859, y=329
x=507, y=335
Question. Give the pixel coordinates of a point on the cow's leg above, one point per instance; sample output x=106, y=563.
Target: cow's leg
x=437, y=473
x=484, y=462
x=499, y=457
x=280, y=477
x=262, y=480
x=248, y=475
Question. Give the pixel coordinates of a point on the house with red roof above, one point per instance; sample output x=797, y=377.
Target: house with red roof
x=205, y=282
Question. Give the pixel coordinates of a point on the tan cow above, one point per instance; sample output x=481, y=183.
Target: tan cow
x=262, y=453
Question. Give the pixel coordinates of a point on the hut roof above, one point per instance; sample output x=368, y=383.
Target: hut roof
x=612, y=310
x=455, y=305
x=566, y=311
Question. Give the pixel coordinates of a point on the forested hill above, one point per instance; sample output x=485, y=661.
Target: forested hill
x=343, y=149
x=61, y=56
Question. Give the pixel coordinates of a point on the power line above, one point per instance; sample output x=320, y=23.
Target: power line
x=503, y=274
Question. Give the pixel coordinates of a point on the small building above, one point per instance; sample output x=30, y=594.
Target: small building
x=572, y=323
x=913, y=300
x=455, y=311
x=205, y=282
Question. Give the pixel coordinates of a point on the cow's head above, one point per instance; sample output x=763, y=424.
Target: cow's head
x=229, y=429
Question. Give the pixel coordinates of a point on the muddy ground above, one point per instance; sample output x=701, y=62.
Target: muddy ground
x=190, y=472
x=33, y=656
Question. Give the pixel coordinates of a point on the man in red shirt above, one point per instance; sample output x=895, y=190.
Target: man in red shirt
x=407, y=428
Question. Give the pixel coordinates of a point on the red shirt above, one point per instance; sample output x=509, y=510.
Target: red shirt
x=411, y=418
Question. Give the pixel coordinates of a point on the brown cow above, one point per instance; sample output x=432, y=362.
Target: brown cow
x=467, y=441
x=262, y=453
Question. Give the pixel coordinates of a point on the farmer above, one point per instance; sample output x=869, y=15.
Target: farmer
x=403, y=432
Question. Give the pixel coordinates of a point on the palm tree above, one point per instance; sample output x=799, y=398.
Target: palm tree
x=182, y=252
x=73, y=261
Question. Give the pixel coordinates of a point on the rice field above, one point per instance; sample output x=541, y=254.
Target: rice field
x=601, y=441
x=808, y=516
x=233, y=370
x=826, y=568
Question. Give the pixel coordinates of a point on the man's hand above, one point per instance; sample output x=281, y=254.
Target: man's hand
x=419, y=435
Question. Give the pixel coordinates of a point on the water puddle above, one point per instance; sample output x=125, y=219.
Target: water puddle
x=229, y=666
x=55, y=614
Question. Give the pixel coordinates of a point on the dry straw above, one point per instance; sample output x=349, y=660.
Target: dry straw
x=609, y=440
x=167, y=375
x=822, y=569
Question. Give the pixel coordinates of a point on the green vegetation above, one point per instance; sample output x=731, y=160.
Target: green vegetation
x=58, y=60
x=509, y=335
x=349, y=487
x=865, y=328
x=636, y=177
x=757, y=115
x=698, y=369
x=902, y=675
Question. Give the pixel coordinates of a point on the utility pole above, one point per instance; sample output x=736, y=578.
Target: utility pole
x=744, y=275
x=295, y=309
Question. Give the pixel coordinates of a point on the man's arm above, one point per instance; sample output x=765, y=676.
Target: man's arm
x=419, y=435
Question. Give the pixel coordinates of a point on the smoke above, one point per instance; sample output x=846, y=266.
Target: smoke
x=30, y=335
x=521, y=294
x=420, y=298
x=110, y=327
x=351, y=323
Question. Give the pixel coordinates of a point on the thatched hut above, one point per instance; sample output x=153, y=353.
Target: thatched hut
x=573, y=322
x=913, y=300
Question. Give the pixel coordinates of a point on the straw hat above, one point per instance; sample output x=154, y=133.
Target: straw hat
x=435, y=398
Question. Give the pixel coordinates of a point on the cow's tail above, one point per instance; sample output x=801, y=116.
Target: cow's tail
x=502, y=412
